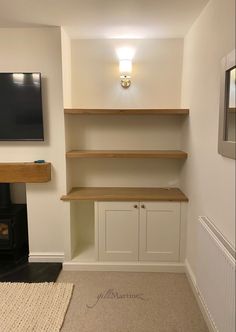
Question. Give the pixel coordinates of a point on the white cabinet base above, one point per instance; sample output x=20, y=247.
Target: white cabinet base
x=159, y=232
x=86, y=242
x=124, y=266
x=118, y=231
x=138, y=231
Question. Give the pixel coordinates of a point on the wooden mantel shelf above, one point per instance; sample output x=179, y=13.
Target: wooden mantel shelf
x=114, y=111
x=125, y=194
x=25, y=172
x=170, y=154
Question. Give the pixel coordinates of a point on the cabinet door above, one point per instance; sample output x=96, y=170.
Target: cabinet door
x=159, y=231
x=118, y=231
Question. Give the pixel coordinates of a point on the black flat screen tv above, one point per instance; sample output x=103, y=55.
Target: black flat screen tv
x=21, y=114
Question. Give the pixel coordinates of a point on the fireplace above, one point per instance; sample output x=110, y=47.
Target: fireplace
x=13, y=226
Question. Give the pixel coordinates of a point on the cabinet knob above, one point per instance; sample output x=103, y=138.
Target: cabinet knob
x=143, y=206
x=135, y=206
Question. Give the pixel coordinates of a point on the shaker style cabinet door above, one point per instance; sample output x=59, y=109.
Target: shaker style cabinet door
x=118, y=231
x=159, y=235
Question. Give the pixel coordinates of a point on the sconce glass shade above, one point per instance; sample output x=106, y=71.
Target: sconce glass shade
x=125, y=67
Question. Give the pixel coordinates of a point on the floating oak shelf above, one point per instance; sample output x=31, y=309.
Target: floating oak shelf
x=125, y=194
x=170, y=154
x=25, y=172
x=174, y=111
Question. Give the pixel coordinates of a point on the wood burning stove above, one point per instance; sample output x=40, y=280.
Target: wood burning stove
x=13, y=226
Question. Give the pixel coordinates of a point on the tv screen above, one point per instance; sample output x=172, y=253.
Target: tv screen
x=21, y=116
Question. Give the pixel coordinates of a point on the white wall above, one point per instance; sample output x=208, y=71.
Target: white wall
x=156, y=83
x=66, y=68
x=156, y=77
x=29, y=50
x=66, y=80
x=208, y=179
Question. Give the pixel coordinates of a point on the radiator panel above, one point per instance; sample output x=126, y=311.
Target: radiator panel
x=215, y=277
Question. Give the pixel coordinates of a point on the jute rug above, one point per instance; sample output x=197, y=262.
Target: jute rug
x=38, y=307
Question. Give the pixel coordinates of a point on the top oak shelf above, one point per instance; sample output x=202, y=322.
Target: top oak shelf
x=114, y=111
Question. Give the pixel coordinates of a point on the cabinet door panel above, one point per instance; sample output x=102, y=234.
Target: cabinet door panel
x=118, y=231
x=159, y=231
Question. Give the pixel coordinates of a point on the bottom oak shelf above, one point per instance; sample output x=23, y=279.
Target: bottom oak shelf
x=125, y=194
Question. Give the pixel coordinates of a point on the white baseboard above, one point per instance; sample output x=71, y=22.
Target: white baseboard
x=46, y=257
x=124, y=266
x=192, y=280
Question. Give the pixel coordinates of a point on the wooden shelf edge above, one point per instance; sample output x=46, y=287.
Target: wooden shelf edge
x=125, y=194
x=25, y=172
x=114, y=111
x=170, y=154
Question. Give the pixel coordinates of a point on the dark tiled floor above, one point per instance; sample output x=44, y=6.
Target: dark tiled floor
x=29, y=272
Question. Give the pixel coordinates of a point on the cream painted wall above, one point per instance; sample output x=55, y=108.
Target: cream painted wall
x=66, y=68
x=208, y=179
x=39, y=49
x=66, y=80
x=156, y=78
x=119, y=132
x=156, y=83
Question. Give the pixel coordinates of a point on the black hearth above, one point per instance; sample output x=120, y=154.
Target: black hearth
x=13, y=227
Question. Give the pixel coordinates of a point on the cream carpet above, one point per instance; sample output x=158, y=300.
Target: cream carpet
x=131, y=302
x=38, y=307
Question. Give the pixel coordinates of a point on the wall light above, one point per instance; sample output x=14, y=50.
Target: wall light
x=125, y=55
x=125, y=68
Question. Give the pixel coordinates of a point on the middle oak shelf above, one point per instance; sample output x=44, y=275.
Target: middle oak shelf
x=166, y=154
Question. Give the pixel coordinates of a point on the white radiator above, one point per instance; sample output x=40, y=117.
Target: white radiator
x=215, y=276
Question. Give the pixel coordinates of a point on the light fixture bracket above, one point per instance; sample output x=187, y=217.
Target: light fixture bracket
x=125, y=81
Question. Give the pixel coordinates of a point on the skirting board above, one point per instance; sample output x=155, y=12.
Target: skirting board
x=192, y=280
x=124, y=267
x=46, y=257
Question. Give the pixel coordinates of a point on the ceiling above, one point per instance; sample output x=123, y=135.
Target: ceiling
x=105, y=18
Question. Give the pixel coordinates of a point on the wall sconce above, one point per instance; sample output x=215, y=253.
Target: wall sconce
x=125, y=68
x=125, y=55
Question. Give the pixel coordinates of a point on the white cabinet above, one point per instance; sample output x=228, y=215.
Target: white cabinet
x=118, y=230
x=159, y=231
x=138, y=231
